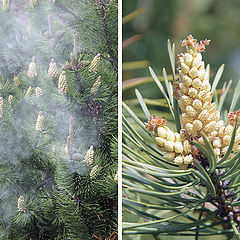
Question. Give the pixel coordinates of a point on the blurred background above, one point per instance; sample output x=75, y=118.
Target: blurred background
x=148, y=24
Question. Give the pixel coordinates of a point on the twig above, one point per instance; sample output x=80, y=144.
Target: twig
x=199, y=218
x=156, y=236
x=68, y=11
x=44, y=182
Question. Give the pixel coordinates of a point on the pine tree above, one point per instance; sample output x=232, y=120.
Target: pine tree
x=183, y=179
x=58, y=122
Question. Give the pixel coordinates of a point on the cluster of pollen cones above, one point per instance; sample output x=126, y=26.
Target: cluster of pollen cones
x=198, y=113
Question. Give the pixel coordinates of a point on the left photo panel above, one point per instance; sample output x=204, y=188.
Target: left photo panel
x=59, y=120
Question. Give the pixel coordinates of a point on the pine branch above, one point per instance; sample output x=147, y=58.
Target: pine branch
x=113, y=59
x=42, y=159
x=65, y=9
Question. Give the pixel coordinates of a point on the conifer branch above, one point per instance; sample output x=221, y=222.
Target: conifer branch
x=113, y=59
x=205, y=145
x=68, y=11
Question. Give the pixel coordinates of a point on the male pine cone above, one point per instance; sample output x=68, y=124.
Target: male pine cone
x=96, y=86
x=21, y=207
x=52, y=70
x=1, y=107
x=89, y=156
x=94, y=172
x=169, y=142
x=39, y=123
x=198, y=114
x=32, y=68
x=38, y=91
x=62, y=83
x=94, y=63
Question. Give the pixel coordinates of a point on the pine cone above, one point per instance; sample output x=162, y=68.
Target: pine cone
x=52, y=70
x=94, y=172
x=5, y=5
x=89, y=156
x=33, y=2
x=116, y=177
x=32, y=69
x=10, y=98
x=38, y=91
x=94, y=63
x=194, y=99
x=39, y=123
x=172, y=144
x=16, y=80
x=62, y=83
x=1, y=107
x=21, y=207
x=198, y=114
x=96, y=86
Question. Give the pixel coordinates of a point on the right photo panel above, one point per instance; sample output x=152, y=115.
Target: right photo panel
x=181, y=117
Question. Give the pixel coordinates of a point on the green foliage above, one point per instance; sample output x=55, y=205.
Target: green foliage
x=62, y=200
